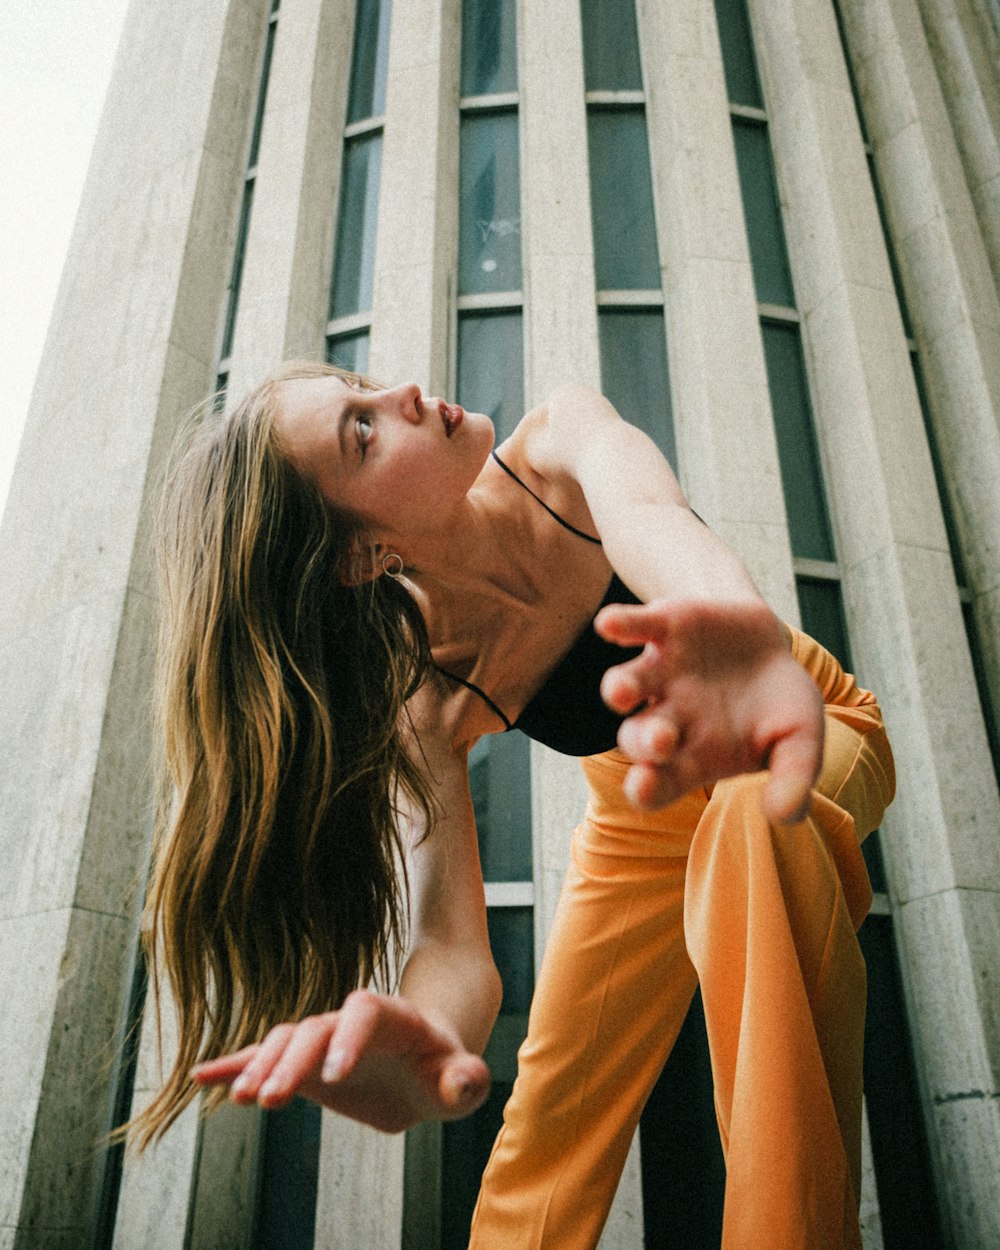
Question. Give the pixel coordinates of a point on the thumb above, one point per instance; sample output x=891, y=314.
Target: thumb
x=793, y=765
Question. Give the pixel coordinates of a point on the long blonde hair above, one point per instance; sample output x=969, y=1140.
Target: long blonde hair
x=275, y=887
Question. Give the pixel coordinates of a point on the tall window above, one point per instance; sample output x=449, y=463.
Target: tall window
x=349, y=326
x=246, y=209
x=626, y=257
x=898, y=1141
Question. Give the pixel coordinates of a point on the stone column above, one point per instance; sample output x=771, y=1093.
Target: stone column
x=901, y=601
x=967, y=70
x=286, y=278
x=561, y=345
x=129, y=348
x=946, y=276
x=726, y=442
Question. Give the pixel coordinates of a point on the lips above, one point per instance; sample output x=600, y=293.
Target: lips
x=451, y=415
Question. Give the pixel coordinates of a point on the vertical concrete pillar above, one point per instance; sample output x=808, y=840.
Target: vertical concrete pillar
x=950, y=293
x=722, y=411
x=129, y=348
x=906, y=629
x=416, y=242
x=286, y=277
x=561, y=345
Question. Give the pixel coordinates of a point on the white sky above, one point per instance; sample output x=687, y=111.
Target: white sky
x=55, y=63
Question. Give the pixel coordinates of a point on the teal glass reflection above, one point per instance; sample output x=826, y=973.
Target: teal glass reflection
x=491, y=368
x=236, y=277
x=265, y=76
x=354, y=276
x=634, y=373
x=349, y=351
x=610, y=46
x=489, y=240
x=798, y=454
x=621, y=197
x=822, y=610
x=286, y=1213
x=739, y=62
x=771, y=274
x=489, y=47
x=370, y=61
x=500, y=780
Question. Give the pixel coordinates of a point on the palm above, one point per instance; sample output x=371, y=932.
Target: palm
x=714, y=693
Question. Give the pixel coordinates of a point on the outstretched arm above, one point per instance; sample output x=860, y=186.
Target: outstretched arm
x=392, y=1060
x=716, y=691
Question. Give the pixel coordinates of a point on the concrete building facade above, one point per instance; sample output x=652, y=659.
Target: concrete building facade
x=769, y=230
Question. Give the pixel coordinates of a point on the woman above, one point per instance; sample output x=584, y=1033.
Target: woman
x=357, y=591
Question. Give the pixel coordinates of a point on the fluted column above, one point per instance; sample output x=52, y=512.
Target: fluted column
x=722, y=412
x=129, y=348
x=906, y=628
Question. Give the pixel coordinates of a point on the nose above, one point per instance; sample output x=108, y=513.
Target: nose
x=409, y=401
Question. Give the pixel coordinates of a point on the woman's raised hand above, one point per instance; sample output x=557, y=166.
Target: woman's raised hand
x=377, y=1060
x=714, y=693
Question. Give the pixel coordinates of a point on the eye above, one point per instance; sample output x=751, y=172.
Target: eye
x=364, y=428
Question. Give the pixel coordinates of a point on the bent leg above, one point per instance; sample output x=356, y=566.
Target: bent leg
x=614, y=988
x=770, y=917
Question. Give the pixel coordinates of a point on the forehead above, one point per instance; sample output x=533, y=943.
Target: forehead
x=307, y=410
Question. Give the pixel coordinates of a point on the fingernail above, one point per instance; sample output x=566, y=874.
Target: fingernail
x=239, y=1085
x=333, y=1066
x=270, y=1089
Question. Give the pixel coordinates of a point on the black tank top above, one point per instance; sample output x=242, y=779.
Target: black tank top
x=568, y=713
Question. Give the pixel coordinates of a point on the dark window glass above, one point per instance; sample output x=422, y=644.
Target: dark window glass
x=797, y=451
x=236, y=278
x=500, y=780
x=258, y=121
x=466, y=1144
x=899, y=1143
x=286, y=1217
x=621, y=197
x=355, y=262
x=490, y=367
x=349, y=351
x=489, y=47
x=823, y=616
x=738, y=59
x=634, y=371
x=489, y=247
x=982, y=684
x=610, y=46
x=370, y=60
x=772, y=278
x=683, y=1171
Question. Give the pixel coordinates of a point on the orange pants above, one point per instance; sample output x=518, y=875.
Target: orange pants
x=764, y=918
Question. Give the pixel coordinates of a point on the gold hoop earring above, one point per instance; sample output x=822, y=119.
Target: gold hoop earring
x=392, y=564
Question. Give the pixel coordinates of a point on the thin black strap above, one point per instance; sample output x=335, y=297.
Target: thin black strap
x=469, y=685
x=565, y=524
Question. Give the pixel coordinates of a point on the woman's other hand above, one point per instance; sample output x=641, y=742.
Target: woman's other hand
x=377, y=1060
x=714, y=693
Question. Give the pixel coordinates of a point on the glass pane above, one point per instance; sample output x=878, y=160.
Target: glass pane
x=466, y=1143
x=370, y=61
x=944, y=497
x=772, y=278
x=621, y=198
x=500, y=780
x=822, y=612
x=982, y=685
x=798, y=455
x=489, y=242
x=354, y=264
x=738, y=58
x=683, y=1171
x=899, y=1144
x=634, y=372
x=490, y=368
x=489, y=47
x=349, y=351
x=236, y=278
x=265, y=75
x=286, y=1218
x=610, y=46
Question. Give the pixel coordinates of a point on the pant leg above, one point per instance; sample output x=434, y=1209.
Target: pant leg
x=770, y=919
x=613, y=991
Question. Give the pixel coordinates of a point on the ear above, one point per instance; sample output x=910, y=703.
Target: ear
x=361, y=562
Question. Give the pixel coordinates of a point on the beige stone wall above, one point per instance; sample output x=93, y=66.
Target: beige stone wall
x=134, y=341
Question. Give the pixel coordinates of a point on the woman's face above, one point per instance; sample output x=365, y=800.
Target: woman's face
x=394, y=461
